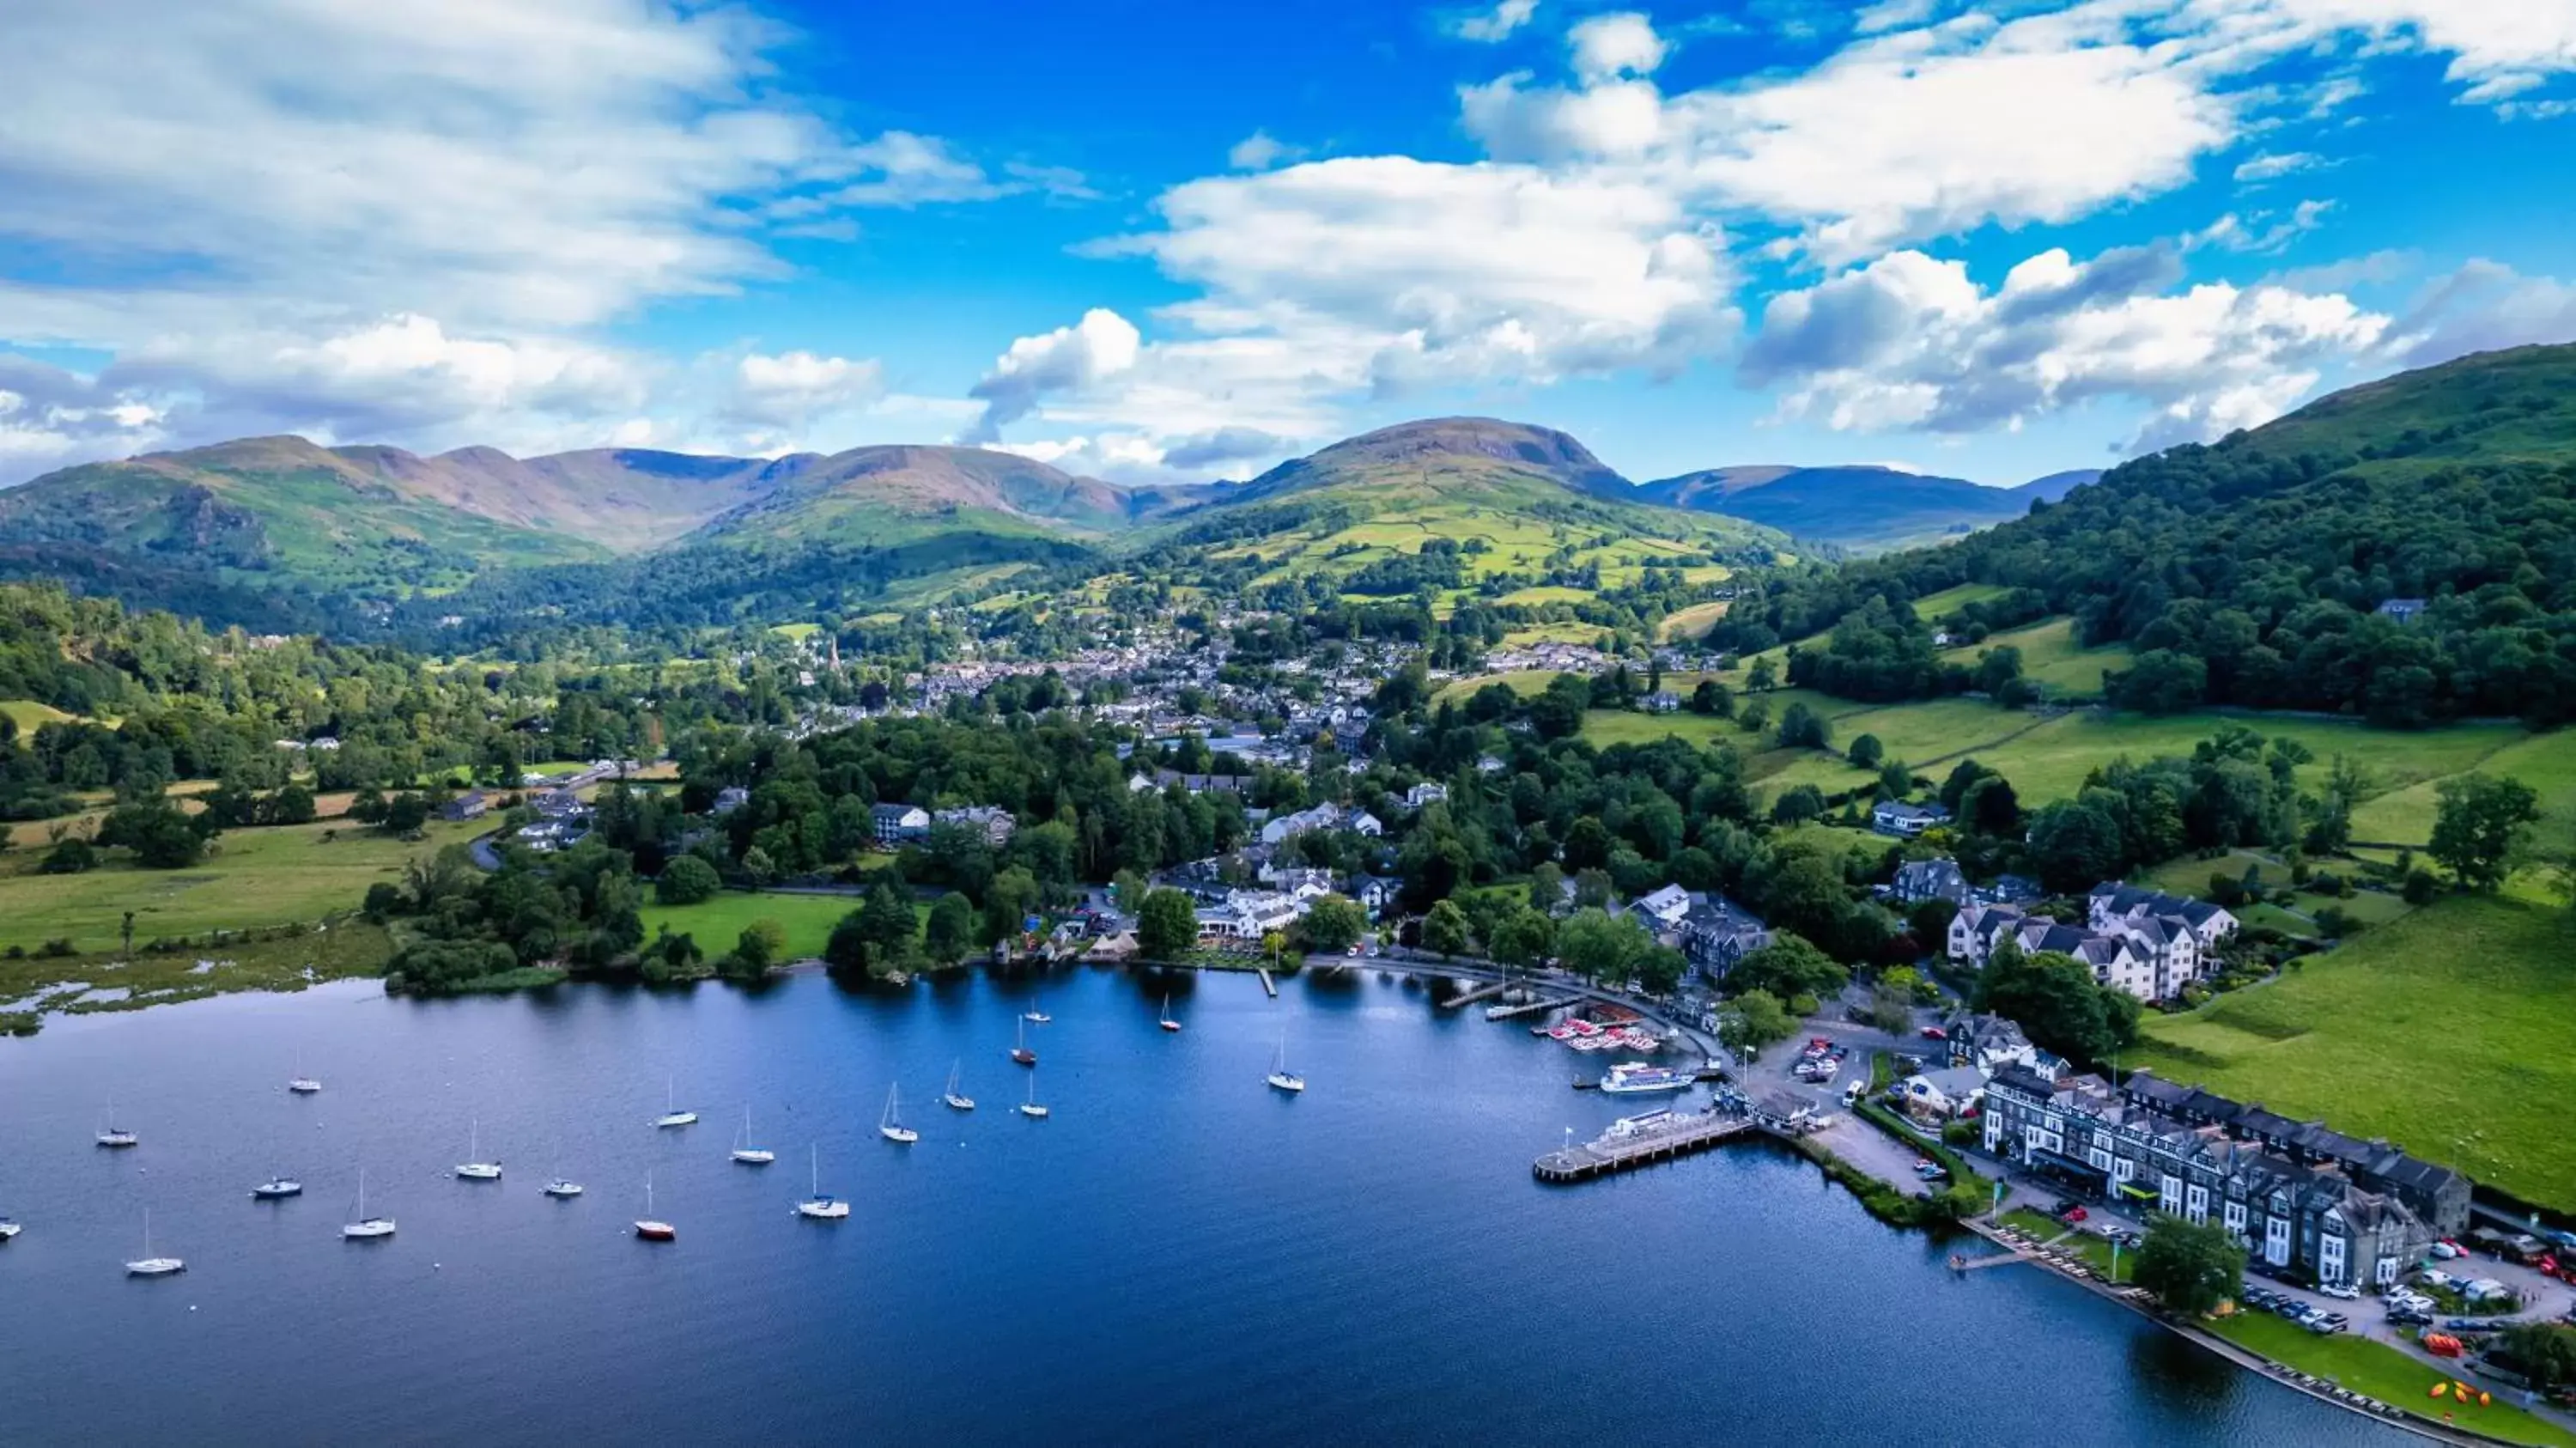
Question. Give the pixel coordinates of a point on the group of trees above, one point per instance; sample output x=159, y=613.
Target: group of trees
x=2250, y=573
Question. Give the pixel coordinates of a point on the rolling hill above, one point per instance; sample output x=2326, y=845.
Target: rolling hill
x=1859, y=508
x=2404, y=551
x=901, y=493
x=1476, y=498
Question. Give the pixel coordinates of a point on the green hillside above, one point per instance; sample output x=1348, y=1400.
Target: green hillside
x=1455, y=502
x=902, y=494
x=2254, y=572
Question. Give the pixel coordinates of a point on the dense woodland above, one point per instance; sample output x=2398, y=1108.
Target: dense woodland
x=2250, y=572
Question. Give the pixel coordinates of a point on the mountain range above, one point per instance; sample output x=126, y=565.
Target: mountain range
x=383, y=521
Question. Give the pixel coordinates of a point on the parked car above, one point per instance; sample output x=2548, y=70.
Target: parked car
x=2072, y=1215
x=1935, y=1033
x=2408, y=1317
x=2343, y=1291
x=2446, y=1250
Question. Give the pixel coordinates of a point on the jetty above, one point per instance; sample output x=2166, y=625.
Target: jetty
x=1642, y=1141
x=1268, y=984
x=1538, y=1006
x=1466, y=998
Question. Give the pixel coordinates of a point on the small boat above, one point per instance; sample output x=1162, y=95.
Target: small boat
x=891, y=1127
x=276, y=1187
x=672, y=1115
x=148, y=1265
x=744, y=1151
x=561, y=1188
x=299, y=1083
x=360, y=1227
x=8, y=1228
x=112, y=1135
x=650, y=1227
x=818, y=1206
x=474, y=1169
x=1280, y=1076
x=1167, y=1023
x=1030, y=1107
x=1021, y=1052
x=955, y=1100
x=1036, y=1015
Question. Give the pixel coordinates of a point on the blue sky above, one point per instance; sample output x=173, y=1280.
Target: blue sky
x=1151, y=240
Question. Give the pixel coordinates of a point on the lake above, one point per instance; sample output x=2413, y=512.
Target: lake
x=1179, y=1255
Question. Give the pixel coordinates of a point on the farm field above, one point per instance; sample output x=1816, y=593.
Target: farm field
x=717, y=923
x=255, y=877
x=1524, y=682
x=2051, y=658
x=2404, y=816
x=2451, y=1031
x=1691, y=622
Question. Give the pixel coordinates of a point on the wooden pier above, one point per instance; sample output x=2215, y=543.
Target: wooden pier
x=1616, y=1150
x=1530, y=1008
x=1490, y=988
x=1268, y=984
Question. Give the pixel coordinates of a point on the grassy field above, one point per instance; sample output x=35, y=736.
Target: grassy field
x=255, y=877
x=2052, y=659
x=1691, y=622
x=1524, y=683
x=2451, y=1031
x=2404, y=816
x=717, y=923
x=2380, y=1371
x=31, y=716
x=1932, y=607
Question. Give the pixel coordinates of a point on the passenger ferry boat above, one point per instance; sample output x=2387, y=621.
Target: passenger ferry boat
x=1636, y=1078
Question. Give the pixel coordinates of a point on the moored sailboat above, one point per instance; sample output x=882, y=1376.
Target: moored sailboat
x=1280, y=1076
x=891, y=1127
x=649, y=1227
x=745, y=1152
x=956, y=1101
x=112, y=1135
x=1020, y=1051
x=148, y=1265
x=1030, y=1107
x=1167, y=1023
x=360, y=1227
x=672, y=1115
x=474, y=1168
x=819, y=1206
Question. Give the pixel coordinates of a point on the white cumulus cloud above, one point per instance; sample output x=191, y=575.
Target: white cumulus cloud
x=1099, y=347
x=1496, y=24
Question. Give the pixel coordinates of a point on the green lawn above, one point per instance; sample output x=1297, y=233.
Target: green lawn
x=717, y=923
x=1694, y=621
x=2377, y=1370
x=2451, y=1031
x=2087, y=1247
x=2051, y=658
x=40, y=982
x=1524, y=683
x=254, y=877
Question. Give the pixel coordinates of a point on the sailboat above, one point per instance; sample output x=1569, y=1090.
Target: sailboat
x=1280, y=1075
x=818, y=1206
x=148, y=1265
x=650, y=1227
x=745, y=1152
x=475, y=1169
x=1036, y=1015
x=672, y=1115
x=299, y=1083
x=1167, y=1023
x=1031, y=1107
x=361, y=1227
x=561, y=1187
x=956, y=1102
x=275, y=1188
x=1021, y=1052
x=112, y=1135
x=892, y=1128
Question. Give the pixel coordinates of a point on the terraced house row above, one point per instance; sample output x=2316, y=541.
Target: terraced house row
x=2306, y=1200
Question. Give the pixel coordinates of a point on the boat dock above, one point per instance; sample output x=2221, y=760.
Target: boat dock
x=1489, y=988
x=1268, y=984
x=1618, y=1150
x=1530, y=1008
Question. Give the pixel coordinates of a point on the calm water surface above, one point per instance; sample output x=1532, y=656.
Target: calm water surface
x=1178, y=1256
